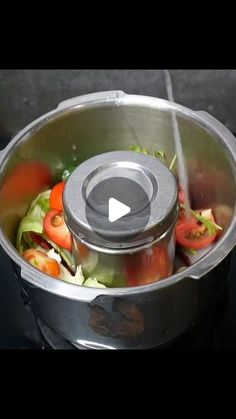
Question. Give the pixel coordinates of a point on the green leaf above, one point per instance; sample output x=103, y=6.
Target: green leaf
x=138, y=149
x=159, y=154
x=211, y=226
x=67, y=172
x=188, y=250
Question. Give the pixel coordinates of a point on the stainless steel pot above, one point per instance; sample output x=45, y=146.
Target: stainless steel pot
x=138, y=317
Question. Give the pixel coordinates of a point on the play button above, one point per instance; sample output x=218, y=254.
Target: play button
x=117, y=210
x=120, y=200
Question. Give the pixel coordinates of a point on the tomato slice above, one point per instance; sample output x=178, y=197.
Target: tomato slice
x=41, y=261
x=148, y=266
x=57, y=230
x=26, y=179
x=193, y=234
x=55, y=200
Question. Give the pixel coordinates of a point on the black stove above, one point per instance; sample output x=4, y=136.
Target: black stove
x=20, y=329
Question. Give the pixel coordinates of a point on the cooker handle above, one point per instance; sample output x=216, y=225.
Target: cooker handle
x=92, y=97
x=2, y=154
x=4, y=151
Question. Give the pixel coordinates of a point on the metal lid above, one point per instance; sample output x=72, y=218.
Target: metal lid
x=131, y=180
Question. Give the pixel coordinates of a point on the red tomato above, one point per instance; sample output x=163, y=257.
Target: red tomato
x=41, y=261
x=57, y=230
x=146, y=267
x=26, y=179
x=55, y=200
x=193, y=234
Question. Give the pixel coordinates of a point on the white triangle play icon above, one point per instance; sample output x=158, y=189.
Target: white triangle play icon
x=116, y=209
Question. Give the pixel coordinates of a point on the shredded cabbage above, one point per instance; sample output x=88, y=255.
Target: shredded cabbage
x=93, y=282
x=33, y=221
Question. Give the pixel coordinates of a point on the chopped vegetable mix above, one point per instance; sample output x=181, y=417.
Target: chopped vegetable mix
x=44, y=240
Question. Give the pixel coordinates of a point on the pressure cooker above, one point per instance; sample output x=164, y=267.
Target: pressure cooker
x=93, y=128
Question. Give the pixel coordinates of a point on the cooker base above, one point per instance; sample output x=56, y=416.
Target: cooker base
x=200, y=336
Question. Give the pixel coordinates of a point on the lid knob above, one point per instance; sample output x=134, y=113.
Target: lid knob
x=120, y=200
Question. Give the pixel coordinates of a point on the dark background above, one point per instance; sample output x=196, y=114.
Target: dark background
x=27, y=94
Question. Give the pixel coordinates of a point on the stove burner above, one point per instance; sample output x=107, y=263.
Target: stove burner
x=54, y=340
